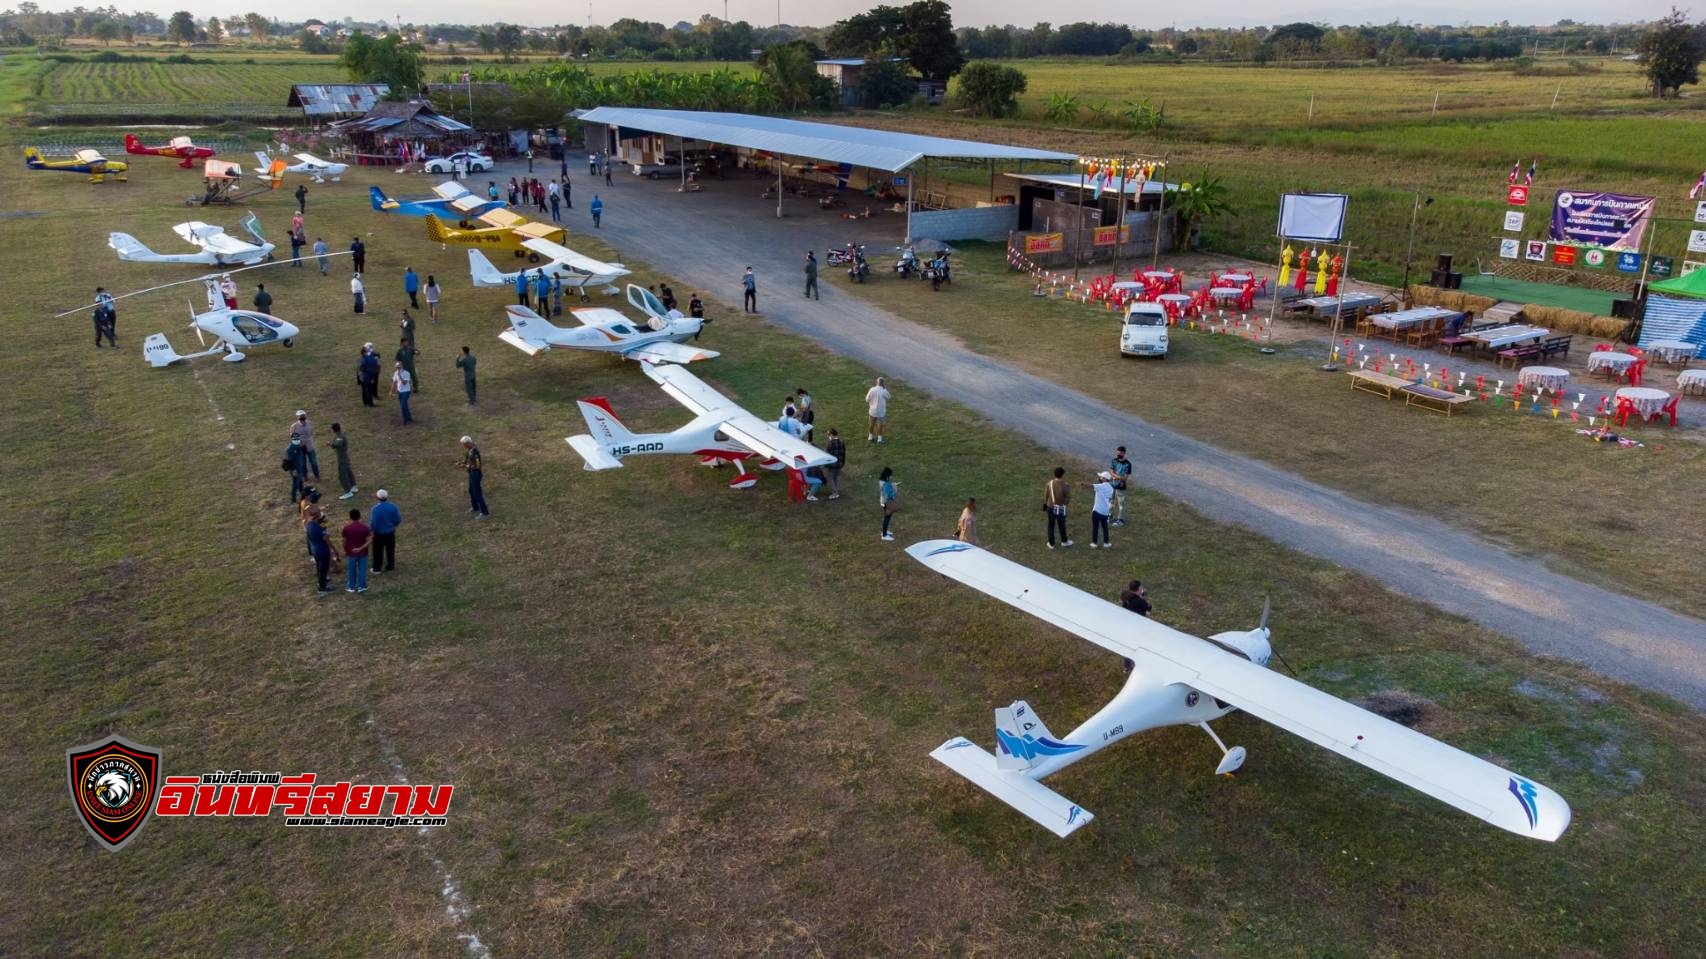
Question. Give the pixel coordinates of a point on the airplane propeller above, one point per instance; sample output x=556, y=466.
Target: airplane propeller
x=1267, y=607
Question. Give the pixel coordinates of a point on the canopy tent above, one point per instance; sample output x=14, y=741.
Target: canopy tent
x=1690, y=285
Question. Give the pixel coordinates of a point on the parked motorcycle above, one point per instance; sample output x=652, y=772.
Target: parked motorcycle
x=939, y=272
x=907, y=265
x=859, y=270
x=842, y=256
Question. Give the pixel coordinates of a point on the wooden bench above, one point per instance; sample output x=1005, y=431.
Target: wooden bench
x=1557, y=344
x=1380, y=384
x=1517, y=354
x=1454, y=343
x=1418, y=394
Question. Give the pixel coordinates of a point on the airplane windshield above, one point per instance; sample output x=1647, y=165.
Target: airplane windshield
x=254, y=328
x=646, y=300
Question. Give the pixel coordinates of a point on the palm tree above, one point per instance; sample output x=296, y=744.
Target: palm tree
x=1194, y=203
x=790, y=70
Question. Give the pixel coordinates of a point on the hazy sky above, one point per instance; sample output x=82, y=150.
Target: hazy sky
x=1229, y=13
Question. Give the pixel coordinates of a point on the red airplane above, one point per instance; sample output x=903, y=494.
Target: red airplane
x=180, y=147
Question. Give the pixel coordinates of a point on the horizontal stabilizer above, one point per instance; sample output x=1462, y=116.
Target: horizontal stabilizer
x=664, y=351
x=530, y=347
x=596, y=456
x=1043, y=805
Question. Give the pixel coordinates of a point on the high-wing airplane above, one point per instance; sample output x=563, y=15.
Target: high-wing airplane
x=721, y=432
x=452, y=200
x=506, y=230
x=181, y=149
x=574, y=269
x=603, y=330
x=215, y=246
x=89, y=162
x=305, y=163
x=1179, y=679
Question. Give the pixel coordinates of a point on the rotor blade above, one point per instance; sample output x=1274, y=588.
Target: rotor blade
x=1267, y=605
x=194, y=279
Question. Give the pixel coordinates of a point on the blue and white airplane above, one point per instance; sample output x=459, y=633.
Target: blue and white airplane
x=453, y=202
x=1183, y=680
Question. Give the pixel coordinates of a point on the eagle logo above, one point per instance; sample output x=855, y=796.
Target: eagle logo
x=113, y=784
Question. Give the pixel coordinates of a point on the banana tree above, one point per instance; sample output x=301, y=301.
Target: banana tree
x=1193, y=204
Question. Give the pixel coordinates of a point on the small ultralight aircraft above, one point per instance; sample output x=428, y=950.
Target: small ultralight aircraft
x=506, y=230
x=232, y=332
x=721, y=432
x=216, y=247
x=89, y=162
x=603, y=330
x=1182, y=680
x=222, y=181
x=305, y=163
x=573, y=269
x=182, y=149
x=452, y=199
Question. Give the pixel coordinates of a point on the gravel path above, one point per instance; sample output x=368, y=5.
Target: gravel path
x=707, y=238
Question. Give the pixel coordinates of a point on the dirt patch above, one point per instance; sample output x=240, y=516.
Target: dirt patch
x=1405, y=709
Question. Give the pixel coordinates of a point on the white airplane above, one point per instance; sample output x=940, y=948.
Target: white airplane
x=1181, y=679
x=216, y=247
x=574, y=269
x=721, y=432
x=305, y=163
x=232, y=331
x=604, y=330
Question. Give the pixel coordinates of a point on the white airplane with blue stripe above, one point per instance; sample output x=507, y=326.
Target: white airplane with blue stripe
x=1178, y=680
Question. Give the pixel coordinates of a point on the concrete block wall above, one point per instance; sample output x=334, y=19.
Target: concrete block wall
x=971, y=223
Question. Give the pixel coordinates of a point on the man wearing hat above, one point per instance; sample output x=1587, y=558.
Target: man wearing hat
x=384, y=519
x=1103, y=489
x=476, y=473
x=302, y=430
x=1120, y=467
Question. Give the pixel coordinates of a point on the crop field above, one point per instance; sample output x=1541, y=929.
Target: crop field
x=214, y=91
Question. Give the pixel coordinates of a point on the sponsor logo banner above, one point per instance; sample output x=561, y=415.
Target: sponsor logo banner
x=1535, y=250
x=1614, y=221
x=1045, y=243
x=1516, y=195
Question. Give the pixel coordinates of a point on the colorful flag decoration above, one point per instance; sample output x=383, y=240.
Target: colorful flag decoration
x=1529, y=180
x=1516, y=171
x=1699, y=185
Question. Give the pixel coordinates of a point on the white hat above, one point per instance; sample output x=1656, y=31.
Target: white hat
x=301, y=412
x=467, y=439
x=367, y=346
x=1105, y=475
x=382, y=495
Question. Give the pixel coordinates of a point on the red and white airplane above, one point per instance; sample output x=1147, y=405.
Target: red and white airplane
x=721, y=432
x=180, y=149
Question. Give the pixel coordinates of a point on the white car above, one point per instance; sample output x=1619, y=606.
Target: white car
x=1144, y=331
x=471, y=163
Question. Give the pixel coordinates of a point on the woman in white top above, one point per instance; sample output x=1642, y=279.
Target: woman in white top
x=431, y=292
x=359, y=292
x=966, y=531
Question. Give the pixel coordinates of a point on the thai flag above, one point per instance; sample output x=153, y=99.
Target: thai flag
x=1516, y=171
x=1529, y=179
x=1699, y=185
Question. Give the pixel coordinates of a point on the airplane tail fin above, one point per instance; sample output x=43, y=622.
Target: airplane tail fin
x=263, y=161
x=1041, y=804
x=377, y=197
x=481, y=270
x=132, y=144
x=275, y=173
x=1022, y=739
x=606, y=431
x=158, y=352
x=32, y=157
x=435, y=230
x=128, y=247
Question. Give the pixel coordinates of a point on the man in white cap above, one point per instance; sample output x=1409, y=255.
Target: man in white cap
x=1103, y=489
x=302, y=430
x=476, y=473
x=384, y=520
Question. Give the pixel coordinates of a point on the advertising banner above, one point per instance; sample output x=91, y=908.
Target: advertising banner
x=1510, y=249
x=1594, y=257
x=1628, y=262
x=1104, y=235
x=1516, y=195
x=1513, y=221
x=1564, y=255
x=1660, y=266
x=1045, y=243
x=1612, y=220
x=1536, y=250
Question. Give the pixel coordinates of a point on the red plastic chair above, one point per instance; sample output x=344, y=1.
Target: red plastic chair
x=1624, y=408
x=1669, y=408
x=1602, y=348
x=1637, y=370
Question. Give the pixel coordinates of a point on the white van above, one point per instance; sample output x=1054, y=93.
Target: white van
x=1144, y=331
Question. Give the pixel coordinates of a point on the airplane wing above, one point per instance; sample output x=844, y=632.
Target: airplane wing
x=227, y=245
x=467, y=203
x=195, y=232
x=311, y=160
x=663, y=351
x=578, y=262
x=535, y=230
x=502, y=217
x=182, y=143
x=1450, y=775
x=740, y=425
x=601, y=315
x=450, y=190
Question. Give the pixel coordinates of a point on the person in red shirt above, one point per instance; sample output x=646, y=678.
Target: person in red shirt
x=358, y=539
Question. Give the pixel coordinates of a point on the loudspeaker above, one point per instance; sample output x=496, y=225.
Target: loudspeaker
x=1454, y=281
x=1444, y=265
x=1440, y=278
x=1623, y=309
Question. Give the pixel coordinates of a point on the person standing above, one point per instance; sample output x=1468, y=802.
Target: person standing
x=296, y=464
x=597, y=208
x=358, y=539
x=358, y=255
x=556, y=205
x=811, y=276
x=592, y=164
x=514, y=192
x=696, y=307
x=407, y=325
x=542, y=291
x=1056, y=495
x=465, y=363
x=529, y=159
x=749, y=284
x=303, y=430
x=346, y=475
x=320, y=251
x=877, y=404
x=667, y=295
x=568, y=189
x=320, y=548
x=412, y=286
x=302, y=198
x=105, y=300
x=832, y=473
x=359, y=292
x=401, y=385
x=564, y=158
x=384, y=520
x=557, y=296
x=228, y=291
x=430, y=291
x=1120, y=468
x=1103, y=489
x=472, y=463
x=521, y=287
x=296, y=222
x=888, y=494
x=966, y=530
x=456, y=169
x=367, y=374
x=296, y=241
x=263, y=299
x=406, y=354
x=807, y=415
x=604, y=165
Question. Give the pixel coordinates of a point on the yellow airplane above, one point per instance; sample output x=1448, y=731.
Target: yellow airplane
x=84, y=161
x=508, y=231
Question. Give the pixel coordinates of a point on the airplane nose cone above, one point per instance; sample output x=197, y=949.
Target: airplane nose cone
x=289, y=332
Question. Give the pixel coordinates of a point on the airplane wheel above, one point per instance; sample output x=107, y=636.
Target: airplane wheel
x=287, y=343
x=533, y=258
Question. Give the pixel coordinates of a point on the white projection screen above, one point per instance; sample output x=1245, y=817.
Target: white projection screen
x=1313, y=216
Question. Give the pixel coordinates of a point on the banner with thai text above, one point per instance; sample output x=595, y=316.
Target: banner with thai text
x=1614, y=221
x=1045, y=243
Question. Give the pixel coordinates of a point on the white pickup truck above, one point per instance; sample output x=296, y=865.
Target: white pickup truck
x=667, y=165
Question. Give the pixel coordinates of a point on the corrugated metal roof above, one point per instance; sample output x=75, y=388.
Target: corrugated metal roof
x=336, y=99
x=1072, y=181
x=844, y=62
x=877, y=149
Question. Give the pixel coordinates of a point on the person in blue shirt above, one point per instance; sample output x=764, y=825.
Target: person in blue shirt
x=888, y=495
x=521, y=287
x=321, y=549
x=384, y=520
x=542, y=292
x=412, y=286
x=1120, y=467
x=597, y=211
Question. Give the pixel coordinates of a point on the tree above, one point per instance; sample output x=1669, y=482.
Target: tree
x=1186, y=46
x=1193, y=204
x=215, y=30
x=886, y=83
x=508, y=37
x=181, y=28
x=487, y=40
x=384, y=60
x=923, y=32
x=127, y=33
x=312, y=42
x=1671, y=52
x=105, y=31
x=259, y=26
x=1061, y=108
x=990, y=89
x=791, y=73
